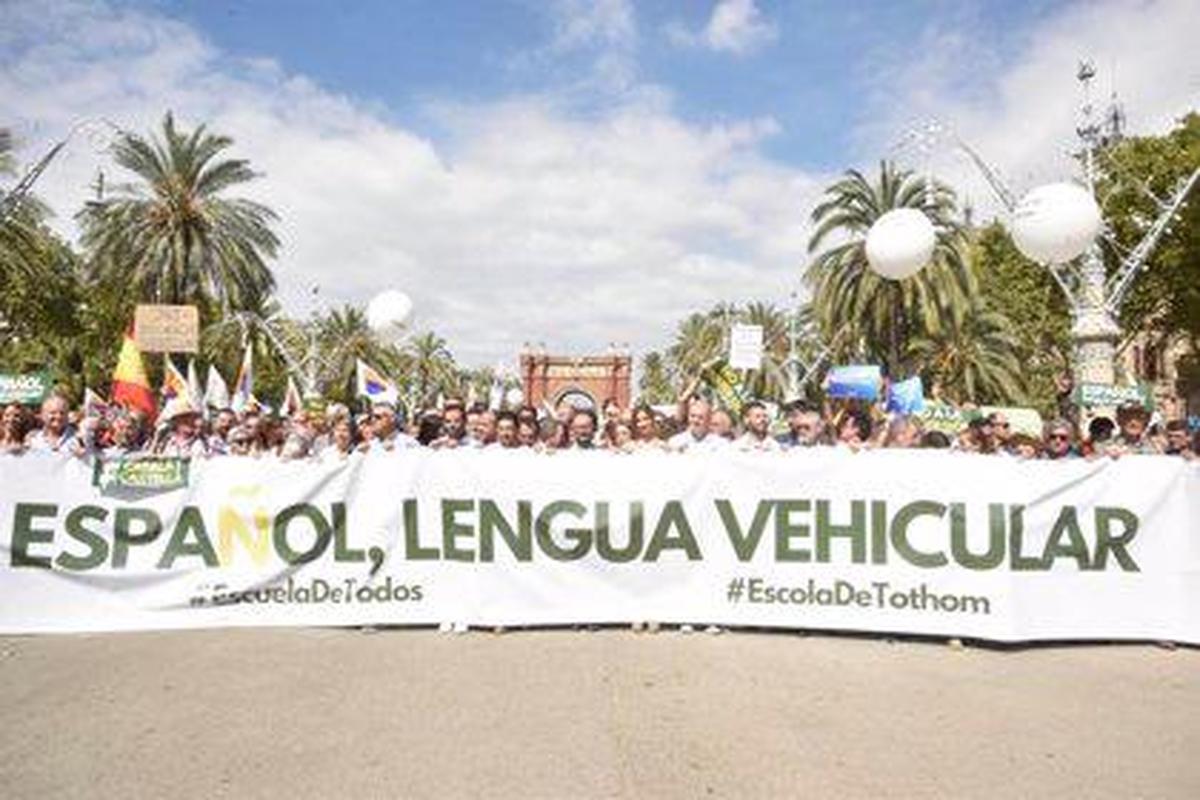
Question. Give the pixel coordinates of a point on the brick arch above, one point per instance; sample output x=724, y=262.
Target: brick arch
x=545, y=378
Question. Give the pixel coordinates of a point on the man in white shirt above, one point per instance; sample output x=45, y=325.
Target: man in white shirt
x=387, y=435
x=56, y=434
x=757, y=424
x=697, y=439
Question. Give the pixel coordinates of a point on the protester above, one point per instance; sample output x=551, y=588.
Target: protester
x=56, y=435
x=528, y=433
x=343, y=441
x=1132, y=422
x=721, y=424
x=506, y=431
x=582, y=429
x=387, y=435
x=13, y=428
x=1058, y=440
x=757, y=423
x=105, y=432
x=805, y=426
x=618, y=435
x=903, y=432
x=454, y=426
x=1177, y=439
x=183, y=439
x=645, y=434
x=854, y=430
x=125, y=435
x=696, y=438
x=1022, y=445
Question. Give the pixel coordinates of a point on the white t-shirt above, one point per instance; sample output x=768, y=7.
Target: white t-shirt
x=397, y=441
x=39, y=442
x=749, y=442
x=684, y=442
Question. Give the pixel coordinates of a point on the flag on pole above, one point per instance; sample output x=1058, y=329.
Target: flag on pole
x=93, y=404
x=193, y=382
x=130, y=386
x=243, y=387
x=372, y=385
x=292, y=401
x=174, y=384
x=216, y=393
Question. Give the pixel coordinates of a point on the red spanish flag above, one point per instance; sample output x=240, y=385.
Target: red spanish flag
x=130, y=387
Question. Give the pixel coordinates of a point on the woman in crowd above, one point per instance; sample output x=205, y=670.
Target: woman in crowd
x=903, y=432
x=644, y=433
x=618, y=436
x=854, y=429
x=14, y=426
x=343, y=441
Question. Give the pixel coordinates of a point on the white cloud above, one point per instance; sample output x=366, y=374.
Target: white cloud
x=735, y=26
x=527, y=223
x=1020, y=109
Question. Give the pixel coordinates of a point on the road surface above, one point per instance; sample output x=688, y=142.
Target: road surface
x=414, y=713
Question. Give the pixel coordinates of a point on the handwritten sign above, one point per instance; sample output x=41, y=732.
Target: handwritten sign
x=167, y=329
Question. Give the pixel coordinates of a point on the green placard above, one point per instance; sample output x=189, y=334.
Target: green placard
x=941, y=417
x=28, y=389
x=143, y=474
x=1094, y=395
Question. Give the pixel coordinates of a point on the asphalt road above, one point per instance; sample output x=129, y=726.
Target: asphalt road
x=341, y=713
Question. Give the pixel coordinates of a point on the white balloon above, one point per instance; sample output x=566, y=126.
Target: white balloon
x=388, y=313
x=900, y=243
x=1056, y=222
x=515, y=397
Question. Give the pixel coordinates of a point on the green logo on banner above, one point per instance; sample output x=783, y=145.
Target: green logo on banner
x=1103, y=395
x=29, y=389
x=142, y=474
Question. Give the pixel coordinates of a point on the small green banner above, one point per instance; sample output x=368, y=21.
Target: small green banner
x=28, y=389
x=1095, y=395
x=143, y=474
x=941, y=417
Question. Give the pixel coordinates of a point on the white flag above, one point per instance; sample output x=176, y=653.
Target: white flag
x=216, y=393
x=243, y=388
x=372, y=384
x=193, y=383
x=291, y=398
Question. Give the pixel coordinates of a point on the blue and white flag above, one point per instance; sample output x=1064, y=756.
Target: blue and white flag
x=907, y=396
x=855, y=382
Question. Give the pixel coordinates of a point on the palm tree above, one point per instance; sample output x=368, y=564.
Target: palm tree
x=344, y=337
x=974, y=356
x=874, y=314
x=431, y=365
x=173, y=236
x=769, y=382
x=657, y=383
x=700, y=342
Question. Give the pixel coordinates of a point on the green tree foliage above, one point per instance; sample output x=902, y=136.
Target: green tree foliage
x=862, y=314
x=1034, y=308
x=973, y=357
x=657, y=383
x=173, y=235
x=1165, y=298
x=431, y=368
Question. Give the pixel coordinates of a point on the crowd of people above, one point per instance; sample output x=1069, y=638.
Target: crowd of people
x=182, y=430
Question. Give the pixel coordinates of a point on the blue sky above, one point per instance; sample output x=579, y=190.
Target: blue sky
x=575, y=172
x=811, y=77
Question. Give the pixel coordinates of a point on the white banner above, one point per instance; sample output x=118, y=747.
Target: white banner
x=900, y=541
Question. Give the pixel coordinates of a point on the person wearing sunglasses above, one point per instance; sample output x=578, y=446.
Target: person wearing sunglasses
x=387, y=434
x=1058, y=440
